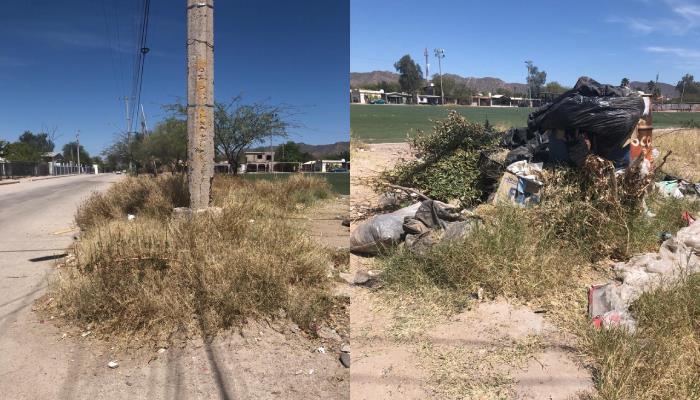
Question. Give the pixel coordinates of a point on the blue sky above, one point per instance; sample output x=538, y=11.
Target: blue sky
x=606, y=40
x=63, y=65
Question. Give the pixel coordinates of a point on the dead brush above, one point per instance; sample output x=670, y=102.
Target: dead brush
x=156, y=275
x=143, y=195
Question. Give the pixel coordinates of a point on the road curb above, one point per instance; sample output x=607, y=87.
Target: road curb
x=52, y=177
x=8, y=183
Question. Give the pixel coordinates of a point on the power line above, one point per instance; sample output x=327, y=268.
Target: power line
x=139, y=62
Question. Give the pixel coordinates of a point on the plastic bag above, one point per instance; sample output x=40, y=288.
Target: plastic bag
x=380, y=231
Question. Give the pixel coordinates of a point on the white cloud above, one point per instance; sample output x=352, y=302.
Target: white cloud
x=679, y=52
x=686, y=20
x=681, y=58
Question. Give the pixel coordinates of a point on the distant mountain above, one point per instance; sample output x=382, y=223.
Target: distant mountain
x=667, y=90
x=318, y=151
x=486, y=84
x=360, y=79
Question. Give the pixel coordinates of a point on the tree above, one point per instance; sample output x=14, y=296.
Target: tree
x=70, y=153
x=653, y=88
x=240, y=126
x=625, y=82
x=166, y=145
x=410, y=75
x=290, y=152
x=555, y=88
x=535, y=79
x=688, y=88
x=40, y=141
x=449, y=84
x=20, y=151
x=3, y=147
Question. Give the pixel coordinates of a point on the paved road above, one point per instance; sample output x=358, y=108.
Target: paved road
x=35, y=221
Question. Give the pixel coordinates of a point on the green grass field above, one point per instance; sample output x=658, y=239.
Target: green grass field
x=388, y=123
x=339, y=181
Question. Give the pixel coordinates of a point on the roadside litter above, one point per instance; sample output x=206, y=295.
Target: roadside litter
x=679, y=256
x=421, y=225
x=591, y=118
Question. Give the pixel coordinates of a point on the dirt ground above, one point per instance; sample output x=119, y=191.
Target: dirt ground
x=493, y=350
x=262, y=360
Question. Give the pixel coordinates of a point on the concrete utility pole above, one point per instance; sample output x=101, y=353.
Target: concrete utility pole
x=77, y=139
x=427, y=65
x=200, y=101
x=440, y=54
x=128, y=130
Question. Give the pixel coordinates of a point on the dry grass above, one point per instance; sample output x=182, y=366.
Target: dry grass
x=661, y=360
x=685, y=160
x=159, y=274
x=141, y=195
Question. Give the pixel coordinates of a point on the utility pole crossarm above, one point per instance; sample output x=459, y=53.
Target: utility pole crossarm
x=200, y=101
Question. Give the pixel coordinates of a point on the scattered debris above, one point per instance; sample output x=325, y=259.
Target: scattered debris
x=321, y=350
x=113, y=364
x=131, y=217
x=608, y=304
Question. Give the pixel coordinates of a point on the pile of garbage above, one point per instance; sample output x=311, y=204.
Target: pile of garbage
x=679, y=256
x=420, y=226
x=591, y=118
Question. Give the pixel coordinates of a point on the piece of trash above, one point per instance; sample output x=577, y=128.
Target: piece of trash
x=131, y=217
x=345, y=348
x=688, y=218
x=85, y=334
x=161, y=350
x=345, y=359
x=113, y=364
x=321, y=350
x=311, y=371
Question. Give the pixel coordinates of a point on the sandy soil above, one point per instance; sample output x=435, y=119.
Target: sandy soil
x=493, y=350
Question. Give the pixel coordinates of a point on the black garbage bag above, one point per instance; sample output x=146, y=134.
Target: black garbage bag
x=605, y=114
x=589, y=87
x=611, y=119
x=536, y=149
x=515, y=137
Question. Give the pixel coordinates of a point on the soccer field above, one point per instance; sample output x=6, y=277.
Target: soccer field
x=394, y=123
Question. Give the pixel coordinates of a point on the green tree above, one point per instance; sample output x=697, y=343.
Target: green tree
x=3, y=147
x=166, y=145
x=290, y=152
x=625, y=82
x=20, y=151
x=535, y=79
x=410, y=75
x=70, y=153
x=40, y=141
x=555, y=88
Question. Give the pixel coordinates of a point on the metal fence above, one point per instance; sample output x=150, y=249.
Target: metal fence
x=18, y=169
